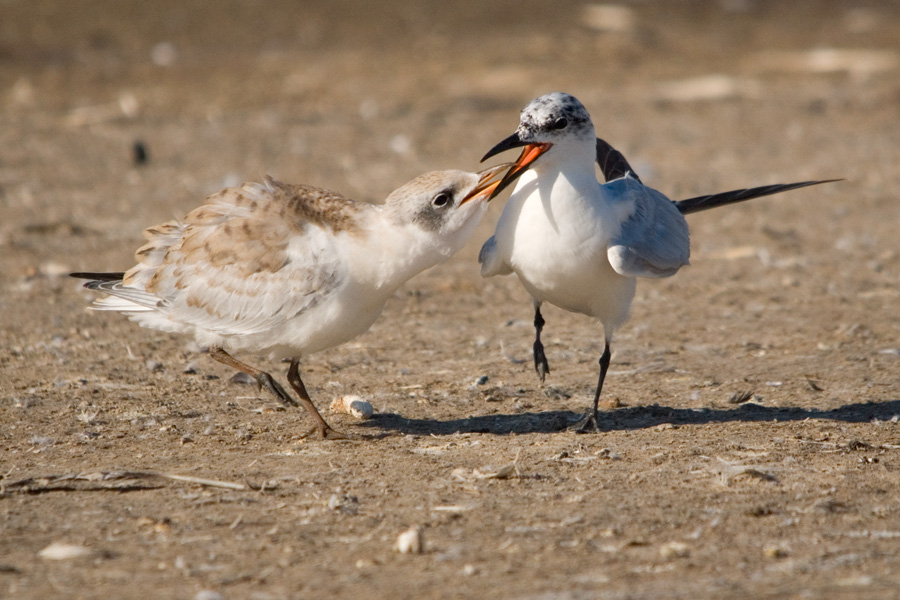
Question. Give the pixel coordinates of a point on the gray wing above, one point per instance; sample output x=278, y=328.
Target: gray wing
x=490, y=261
x=653, y=240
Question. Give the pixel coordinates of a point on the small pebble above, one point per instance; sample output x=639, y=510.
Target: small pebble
x=241, y=378
x=164, y=54
x=139, y=153
x=608, y=454
x=674, y=550
x=411, y=541
x=400, y=145
x=740, y=397
x=504, y=472
x=608, y=18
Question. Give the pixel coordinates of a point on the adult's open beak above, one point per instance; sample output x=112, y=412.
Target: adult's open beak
x=487, y=183
x=530, y=153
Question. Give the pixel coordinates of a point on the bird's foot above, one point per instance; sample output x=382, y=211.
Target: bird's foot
x=587, y=424
x=264, y=380
x=540, y=361
x=326, y=432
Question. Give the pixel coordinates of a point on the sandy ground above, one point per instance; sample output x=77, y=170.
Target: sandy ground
x=687, y=492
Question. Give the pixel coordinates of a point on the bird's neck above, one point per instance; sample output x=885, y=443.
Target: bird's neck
x=568, y=174
x=389, y=255
x=574, y=160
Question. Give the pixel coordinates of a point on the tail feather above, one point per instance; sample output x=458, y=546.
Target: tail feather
x=98, y=276
x=692, y=205
x=119, y=298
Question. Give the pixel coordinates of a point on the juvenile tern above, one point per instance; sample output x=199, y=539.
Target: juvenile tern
x=289, y=270
x=579, y=244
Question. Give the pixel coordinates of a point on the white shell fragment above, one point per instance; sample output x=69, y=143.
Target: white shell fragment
x=62, y=551
x=411, y=541
x=354, y=406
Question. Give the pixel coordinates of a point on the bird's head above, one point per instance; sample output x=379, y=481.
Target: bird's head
x=445, y=206
x=556, y=120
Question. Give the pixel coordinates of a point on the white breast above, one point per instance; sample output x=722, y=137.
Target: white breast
x=554, y=234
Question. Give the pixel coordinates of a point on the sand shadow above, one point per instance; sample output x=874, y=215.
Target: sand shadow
x=629, y=418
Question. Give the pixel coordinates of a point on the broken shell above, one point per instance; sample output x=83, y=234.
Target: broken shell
x=354, y=406
x=63, y=551
x=411, y=541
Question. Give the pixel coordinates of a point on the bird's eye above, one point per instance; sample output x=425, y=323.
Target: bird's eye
x=560, y=123
x=441, y=199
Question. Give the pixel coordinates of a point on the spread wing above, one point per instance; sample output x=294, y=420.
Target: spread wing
x=653, y=240
x=246, y=261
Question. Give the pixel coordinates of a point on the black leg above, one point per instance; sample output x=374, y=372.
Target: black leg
x=589, y=423
x=324, y=429
x=540, y=359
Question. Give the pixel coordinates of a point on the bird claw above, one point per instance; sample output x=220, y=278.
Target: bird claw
x=264, y=380
x=325, y=432
x=587, y=424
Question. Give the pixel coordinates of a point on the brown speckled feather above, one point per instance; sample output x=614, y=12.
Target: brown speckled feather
x=229, y=263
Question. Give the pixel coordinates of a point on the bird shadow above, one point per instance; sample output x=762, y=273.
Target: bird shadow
x=630, y=418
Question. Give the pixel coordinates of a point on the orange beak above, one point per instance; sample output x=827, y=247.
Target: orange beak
x=488, y=181
x=530, y=153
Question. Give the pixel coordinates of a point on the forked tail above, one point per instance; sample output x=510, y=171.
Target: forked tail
x=692, y=205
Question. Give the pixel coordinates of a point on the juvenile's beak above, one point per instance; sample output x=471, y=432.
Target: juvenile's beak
x=487, y=183
x=530, y=154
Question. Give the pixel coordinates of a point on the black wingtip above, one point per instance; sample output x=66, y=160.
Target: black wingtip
x=612, y=162
x=692, y=205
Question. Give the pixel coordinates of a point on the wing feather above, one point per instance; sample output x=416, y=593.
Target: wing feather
x=245, y=262
x=490, y=261
x=653, y=240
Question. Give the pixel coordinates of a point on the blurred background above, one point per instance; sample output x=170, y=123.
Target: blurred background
x=361, y=97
